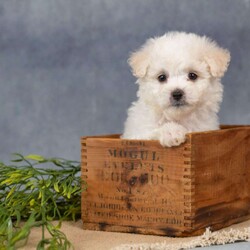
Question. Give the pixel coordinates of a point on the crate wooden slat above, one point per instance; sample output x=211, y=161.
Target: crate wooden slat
x=138, y=186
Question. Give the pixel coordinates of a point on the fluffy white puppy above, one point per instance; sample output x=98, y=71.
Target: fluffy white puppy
x=179, y=87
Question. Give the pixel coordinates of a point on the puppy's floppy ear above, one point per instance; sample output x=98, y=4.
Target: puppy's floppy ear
x=139, y=60
x=218, y=60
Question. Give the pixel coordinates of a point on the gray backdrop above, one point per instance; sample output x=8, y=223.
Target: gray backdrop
x=64, y=72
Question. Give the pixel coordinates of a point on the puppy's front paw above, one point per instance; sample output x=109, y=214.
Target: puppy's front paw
x=172, y=134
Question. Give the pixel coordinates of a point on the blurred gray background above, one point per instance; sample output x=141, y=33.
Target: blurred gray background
x=64, y=72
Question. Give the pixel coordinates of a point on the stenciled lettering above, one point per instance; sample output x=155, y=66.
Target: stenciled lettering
x=171, y=221
x=131, y=165
x=160, y=210
x=101, y=214
x=134, y=154
x=112, y=206
x=139, y=218
x=120, y=177
x=133, y=143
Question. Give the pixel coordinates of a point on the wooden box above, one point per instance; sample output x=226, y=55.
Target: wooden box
x=138, y=186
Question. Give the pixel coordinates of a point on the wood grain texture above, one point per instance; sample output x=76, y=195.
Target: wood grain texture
x=139, y=186
x=221, y=180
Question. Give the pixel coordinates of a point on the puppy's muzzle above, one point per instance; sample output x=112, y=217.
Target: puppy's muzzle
x=177, y=98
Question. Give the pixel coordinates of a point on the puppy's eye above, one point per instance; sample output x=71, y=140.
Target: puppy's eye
x=192, y=76
x=162, y=78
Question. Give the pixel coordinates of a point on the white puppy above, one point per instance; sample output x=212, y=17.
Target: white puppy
x=179, y=87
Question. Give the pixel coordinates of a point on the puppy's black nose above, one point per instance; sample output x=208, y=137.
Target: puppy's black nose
x=177, y=94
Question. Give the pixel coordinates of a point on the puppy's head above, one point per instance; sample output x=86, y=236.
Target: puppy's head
x=179, y=72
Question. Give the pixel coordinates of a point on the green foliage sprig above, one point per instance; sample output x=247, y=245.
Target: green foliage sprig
x=34, y=192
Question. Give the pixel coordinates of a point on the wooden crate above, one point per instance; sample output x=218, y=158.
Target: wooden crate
x=138, y=186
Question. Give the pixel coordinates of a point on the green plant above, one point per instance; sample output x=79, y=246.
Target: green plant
x=34, y=192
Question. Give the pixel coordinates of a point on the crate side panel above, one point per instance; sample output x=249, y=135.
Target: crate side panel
x=222, y=192
x=135, y=185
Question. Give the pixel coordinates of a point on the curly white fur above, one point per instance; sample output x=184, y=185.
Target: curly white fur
x=155, y=115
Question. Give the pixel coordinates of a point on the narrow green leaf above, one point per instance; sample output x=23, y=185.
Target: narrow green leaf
x=34, y=157
x=56, y=187
x=11, y=192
